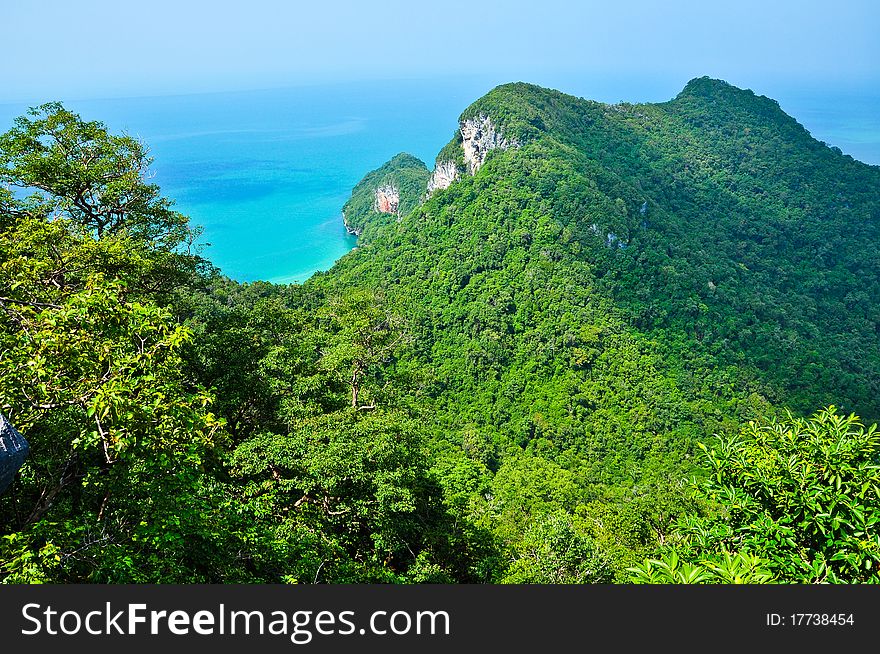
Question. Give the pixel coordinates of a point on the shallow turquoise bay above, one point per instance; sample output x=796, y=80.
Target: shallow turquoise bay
x=266, y=173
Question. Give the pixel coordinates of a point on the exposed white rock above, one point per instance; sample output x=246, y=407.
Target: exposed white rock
x=444, y=174
x=612, y=240
x=478, y=136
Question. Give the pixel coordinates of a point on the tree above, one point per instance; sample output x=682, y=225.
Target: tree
x=95, y=178
x=554, y=550
x=364, y=337
x=116, y=483
x=84, y=206
x=349, y=496
x=724, y=568
x=121, y=484
x=801, y=497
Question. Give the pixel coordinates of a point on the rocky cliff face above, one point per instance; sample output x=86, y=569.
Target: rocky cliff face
x=444, y=174
x=478, y=136
x=387, y=199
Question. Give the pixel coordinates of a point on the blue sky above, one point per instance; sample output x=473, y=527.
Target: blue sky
x=99, y=48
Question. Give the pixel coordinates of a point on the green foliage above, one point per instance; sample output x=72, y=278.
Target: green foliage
x=555, y=551
x=453, y=152
x=716, y=224
x=803, y=493
x=798, y=496
x=252, y=347
x=329, y=464
x=116, y=487
x=119, y=443
x=354, y=486
x=82, y=207
x=364, y=337
x=740, y=568
x=88, y=174
x=112, y=359
x=627, y=281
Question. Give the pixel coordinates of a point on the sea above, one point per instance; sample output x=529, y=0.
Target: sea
x=265, y=173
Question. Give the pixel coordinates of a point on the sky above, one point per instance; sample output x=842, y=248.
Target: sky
x=110, y=48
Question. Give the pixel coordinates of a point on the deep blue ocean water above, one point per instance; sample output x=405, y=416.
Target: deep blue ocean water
x=266, y=173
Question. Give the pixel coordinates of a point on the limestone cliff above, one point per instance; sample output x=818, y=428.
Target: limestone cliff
x=387, y=199
x=445, y=172
x=476, y=137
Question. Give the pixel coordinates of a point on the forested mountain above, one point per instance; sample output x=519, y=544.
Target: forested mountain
x=594, y=335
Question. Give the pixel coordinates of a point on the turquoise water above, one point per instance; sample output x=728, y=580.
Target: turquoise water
x=848, y=119
x=266, y=173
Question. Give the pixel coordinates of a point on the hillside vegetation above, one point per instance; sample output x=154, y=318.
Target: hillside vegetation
x=609, y=354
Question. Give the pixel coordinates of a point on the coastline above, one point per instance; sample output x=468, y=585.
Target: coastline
x=354, y=231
